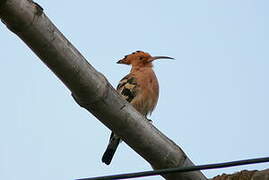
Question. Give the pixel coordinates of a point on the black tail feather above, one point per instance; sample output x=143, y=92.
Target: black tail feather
x=111, y=149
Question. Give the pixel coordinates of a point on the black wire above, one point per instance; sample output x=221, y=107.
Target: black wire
x=180, y=169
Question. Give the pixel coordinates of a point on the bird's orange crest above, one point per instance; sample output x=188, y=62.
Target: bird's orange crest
x=140, y=58
x=137, y=57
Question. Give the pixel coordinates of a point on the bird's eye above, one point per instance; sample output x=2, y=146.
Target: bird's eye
x=141, y=58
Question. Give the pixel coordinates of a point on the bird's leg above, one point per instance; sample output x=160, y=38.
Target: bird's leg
x=149, y=120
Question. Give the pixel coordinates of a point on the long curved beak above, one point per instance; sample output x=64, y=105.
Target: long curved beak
x=159, y=57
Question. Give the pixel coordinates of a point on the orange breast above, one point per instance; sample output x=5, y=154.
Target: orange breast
x=147, y=91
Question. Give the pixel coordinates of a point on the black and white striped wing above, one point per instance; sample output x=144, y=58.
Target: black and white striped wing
x=128, y=88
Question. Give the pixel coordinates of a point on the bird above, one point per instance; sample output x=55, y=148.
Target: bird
x=140, y=88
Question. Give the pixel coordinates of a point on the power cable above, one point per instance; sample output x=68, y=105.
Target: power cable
x=180, y=169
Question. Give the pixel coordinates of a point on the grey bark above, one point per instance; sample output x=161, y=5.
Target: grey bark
x=90, y=88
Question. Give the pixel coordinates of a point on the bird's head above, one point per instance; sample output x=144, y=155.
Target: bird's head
x=140, y=58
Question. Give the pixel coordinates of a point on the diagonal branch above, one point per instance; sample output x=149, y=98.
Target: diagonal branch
x=90, y=88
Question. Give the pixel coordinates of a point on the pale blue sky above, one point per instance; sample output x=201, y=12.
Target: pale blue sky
x=213, y=102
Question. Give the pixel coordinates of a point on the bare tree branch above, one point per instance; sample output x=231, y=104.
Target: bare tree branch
x=91, y=89
x=245, y=175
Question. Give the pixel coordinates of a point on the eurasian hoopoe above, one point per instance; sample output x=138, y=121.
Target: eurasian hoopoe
x=140, y=88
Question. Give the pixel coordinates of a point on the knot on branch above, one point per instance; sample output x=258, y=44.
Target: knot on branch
x=19, y=18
